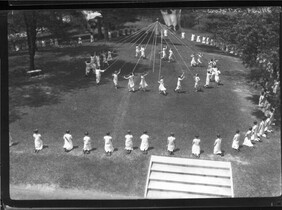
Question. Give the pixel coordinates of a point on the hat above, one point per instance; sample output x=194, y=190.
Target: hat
x=68, y=131
x=172, y=134
x=86, y=133
x=108, y=133
x=145, y=132
x=129, y=131
x=35, y=131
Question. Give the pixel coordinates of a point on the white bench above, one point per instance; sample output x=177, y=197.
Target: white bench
x=34, y=72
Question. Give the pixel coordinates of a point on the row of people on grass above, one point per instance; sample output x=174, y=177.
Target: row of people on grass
x=97, y=61
x=254, y=133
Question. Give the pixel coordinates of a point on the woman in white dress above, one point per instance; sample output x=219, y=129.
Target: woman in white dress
x=171, y=144
x=217, y=146
x=236, y=141
x=144, y=142
x=109, y=56
x=162, y=88
x=68, y=145
x=208, y=78
x=108, y=144
x=86, y=143
x=137, y=50
x=193, y=62
x=178, y=85
x=128, y=142
x=247, y=141
x=170, y=55
x=115, y=78
x=143, y=84
x=197, y=80
x=261, y=99
x=130, y=82
x=216, y=76
x=142, y=50
x=261, y=132
x=199, y=62
x=196, y=150
x=98, y=75
x=254, y=136
x=38, y=143
x=88, y=68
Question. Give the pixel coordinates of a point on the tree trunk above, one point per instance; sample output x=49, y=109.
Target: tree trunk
x=99, y=27
x=30, y=22
x=106, y=30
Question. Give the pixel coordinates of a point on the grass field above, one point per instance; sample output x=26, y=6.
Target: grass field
x=64, y=99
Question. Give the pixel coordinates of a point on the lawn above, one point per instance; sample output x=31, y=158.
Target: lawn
x=65, y=99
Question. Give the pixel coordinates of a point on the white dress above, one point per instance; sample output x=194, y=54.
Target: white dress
x=165, y=32
x=198, y=39
x=216, y=76
x=38, y=143
x=128, y=142
x=87, y=143
x=161, y=86
x=130, y=82
x=217, y=146
x=183, y=35
x=261, y=128
x=108, y=144
x=68, y=141
x=247, y=140
x=144, y=142
x=208, y=79
x=137, y=51
x=170, y=55
x=236, y=140
x=171, y=143
x=192, y=37
x=143, y=83
x=178, y=85
x=142, y=50
x=196, y=147
x=197, y=80
x=98, y=75
x=266, y=124
x=207, y=40
x=193, y=62
x=255, y=133
x=204, y=40
x=109, y=56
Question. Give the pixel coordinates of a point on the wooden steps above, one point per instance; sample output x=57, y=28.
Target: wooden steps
x=170, y=177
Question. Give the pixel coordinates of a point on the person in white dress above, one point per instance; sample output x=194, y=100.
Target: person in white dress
x=68, y=145
x=92, y=58
x=197, y=85
x=38, y=143
x=254, y=136
x=208, y=40
x=91, y=38
x=88, y=68
x=143, y=84
x=182, y=35
x=86, y=143
x=196, y=150
x=267, y=124
x=198, y=39
x=98, y=60
x=109, y=58
x=199, y=62
x=79, y=40
x=262, y=99
x=261, y=132
x=98, y=75
x=130, y=82
x=171, y=144
x=178, y=86
x=236, y=141
x=193, y=37
x=137, y=51
x=163, y=52
x=217, y=146
x=144, y=146
x=204, y=40
x=170, y=55
x=275, y=86
x=247, y=141
x=208, y=78
x=165, y=32
x=162, y=88
x=128, y=142
x=193, y=61
x=216, y=76
x=142, y=50
x=115, y=78
x=109, y=149
x=213, y=72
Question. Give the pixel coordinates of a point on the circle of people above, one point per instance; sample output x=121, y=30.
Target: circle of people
x=95, y=66
x=254, y=133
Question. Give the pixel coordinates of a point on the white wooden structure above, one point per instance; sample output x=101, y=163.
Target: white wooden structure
x=170, y=177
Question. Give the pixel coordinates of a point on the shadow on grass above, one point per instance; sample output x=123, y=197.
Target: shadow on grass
x=61, y=75
x=213, y=49
x=150, y=148
x=254, y=99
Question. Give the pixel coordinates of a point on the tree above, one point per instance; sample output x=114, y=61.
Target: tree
x=30, y=19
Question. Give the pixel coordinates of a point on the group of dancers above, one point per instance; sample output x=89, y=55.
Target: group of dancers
x=254, y=134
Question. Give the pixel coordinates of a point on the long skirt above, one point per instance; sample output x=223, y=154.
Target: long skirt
x=109, y=147
x=38, y=144
x=87, y=145
x=129, y=145
x=68, y=144
x=144, y=145
x=196, y=149
x=247, y=142
x=162, y=87
x=235, y=144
